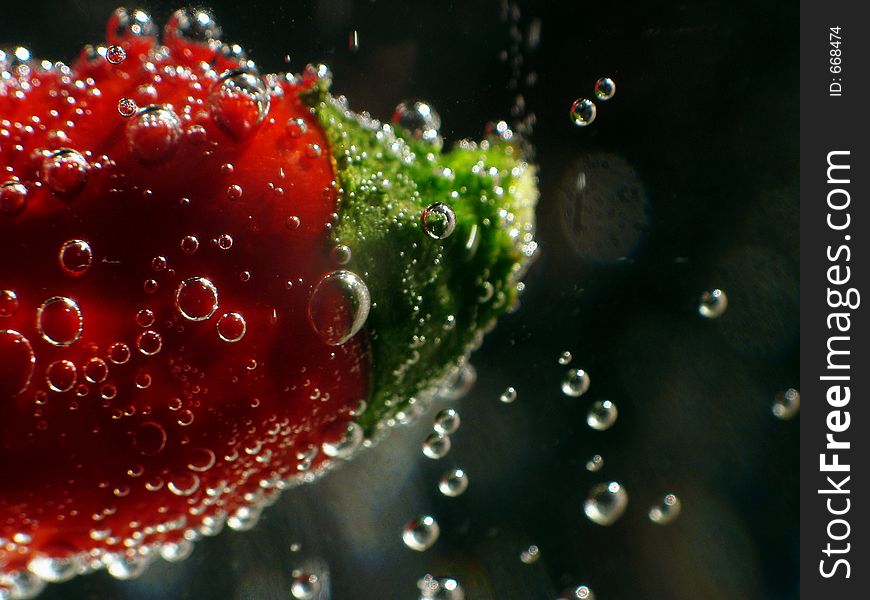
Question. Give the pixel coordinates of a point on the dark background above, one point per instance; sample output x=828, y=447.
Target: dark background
x=691, y=174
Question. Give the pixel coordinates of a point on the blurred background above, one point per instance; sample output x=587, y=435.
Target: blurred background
x=686, y=181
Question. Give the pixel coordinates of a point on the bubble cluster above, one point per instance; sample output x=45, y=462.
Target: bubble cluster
x=420, y=119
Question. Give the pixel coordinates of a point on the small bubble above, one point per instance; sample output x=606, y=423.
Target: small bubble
x=712, y=304
x=8, y=303
x=342, y=439
x=440, y=588
x=75, y=257
x=183, y=484
x=576, y=383
x=602, y=415
x=786, y=404
x=508, y=396
x=225, y=241
x=594, y=464
x=453, y=483
x=436, y=445
x=420, y=119
x=154, y=134
x=127, y=107
x=565, y=358
x=581, y=592
x=606, y=503
x=96, y=370
x=231, y=327
x=149, y=342
x=13, y=198
x=583, y=112
x=119, y=353
x=196, y=299
x=59, y=320
x=446, y=421
x=666, y=510
x=61, y=376
x=605, y=88
x=305, y=587
x=189, y=244
x=234, y=192
x=65, y=172
x=159, y=263
x=420, y=533
x=338, y=307
x=342, y=254
x=239, y=102
x=296, y=127
x=438, y=221
x=115, y=54
x=313, y=151
x=201, y=460
x=149, y=439
x=530, y=555
x=293, y=223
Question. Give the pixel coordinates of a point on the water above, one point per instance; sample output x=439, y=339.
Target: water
x=618, y=284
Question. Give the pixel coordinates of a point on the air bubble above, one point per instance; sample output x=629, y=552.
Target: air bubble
x=127, y=107
x=606, y=503
x=96, y=370
x=119, y=353
x=594, y=464
x=17, y=363
x=530, y=555
x=153, y=135
x=605, y=88
x=149, y=439
x=239, y=102
x=196, y=299
x=338, y=307
x=712, y=304
x=508, y=396
x=565, y=358
x=13, y=198
x=438, y=221
x=436, y=445
x=420, y=119
x=602, y=415
x=786, y=404
x=576, y=383
x=446, y=421
x=583, y=112
x=231, y=327
x=75, y=257
x=115, y=54
x=54, y=569
x=581, y=592
x=65, y=172
x=305, y=587
x=61, y=376
x=59, y=321
x=125, y=23
x=149, y=342
x=342, y=439
x=666, y=510
x=192, y=25
x=420, y=533
x=189, y=244
x=453, y=483
x=296, y=127
x=8, y=303
x=440, y=588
